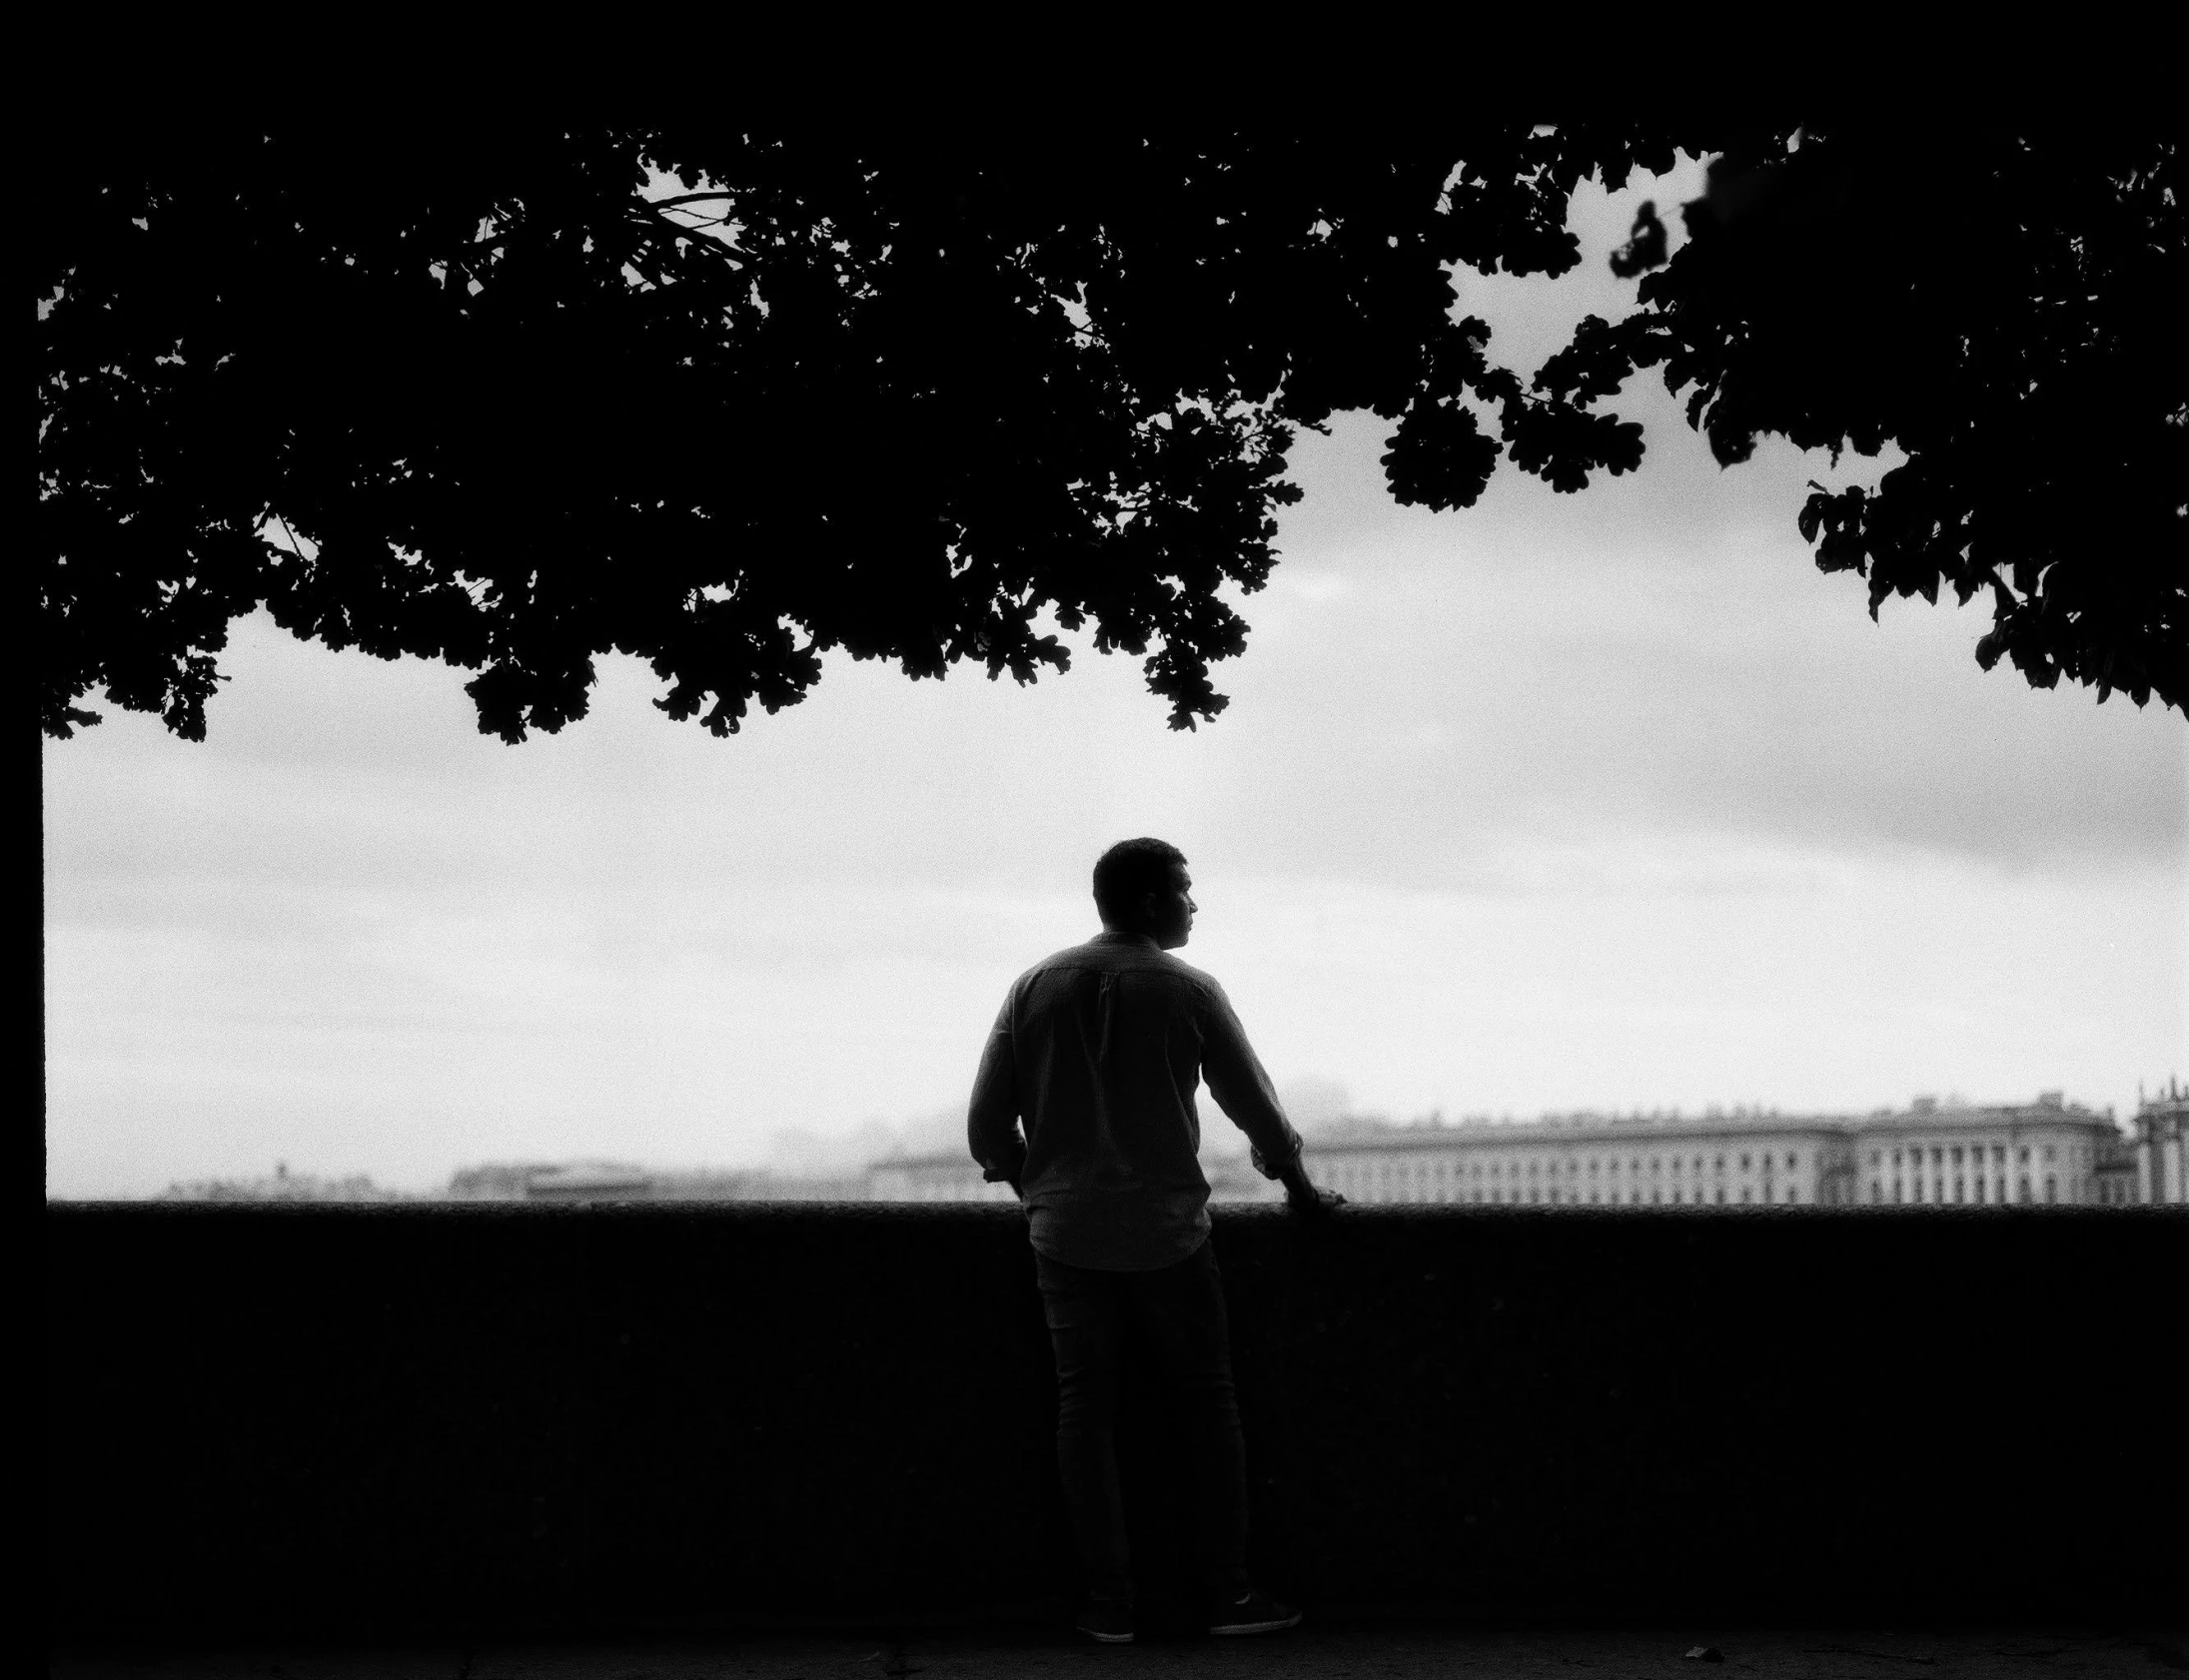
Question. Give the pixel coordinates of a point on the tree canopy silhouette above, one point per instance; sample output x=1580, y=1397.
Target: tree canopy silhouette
x=513, y=397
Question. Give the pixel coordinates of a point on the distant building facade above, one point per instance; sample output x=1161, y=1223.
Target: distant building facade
x=2160, y=1168
x=588, y=1182
x=2042, y=1152
x=1926, y=1155
x=569, y=1181
x=601, y=1180
x=953, y=1176
x=942, y=1177
x=2116, y=1173
x=1596, y=1161
x=283, y=1186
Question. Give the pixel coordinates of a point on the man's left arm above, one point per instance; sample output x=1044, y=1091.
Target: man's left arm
x=1243, y=1090
x=991, y=1122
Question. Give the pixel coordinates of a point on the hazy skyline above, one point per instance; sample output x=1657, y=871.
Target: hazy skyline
x=1608, y=801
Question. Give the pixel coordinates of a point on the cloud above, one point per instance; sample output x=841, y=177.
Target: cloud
x=1673, y=661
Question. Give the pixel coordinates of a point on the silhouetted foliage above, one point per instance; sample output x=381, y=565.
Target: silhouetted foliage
x=513, y=397
x=2008, y=308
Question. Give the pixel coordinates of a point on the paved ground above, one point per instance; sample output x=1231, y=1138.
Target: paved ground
x=1309, y=1653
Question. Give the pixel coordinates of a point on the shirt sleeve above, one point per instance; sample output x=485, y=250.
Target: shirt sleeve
x=992, y=1116
x=1242, y=1089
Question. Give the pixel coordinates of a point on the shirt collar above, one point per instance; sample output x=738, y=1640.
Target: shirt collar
x=1117, y=936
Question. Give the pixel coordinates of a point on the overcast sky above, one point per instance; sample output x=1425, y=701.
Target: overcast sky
x=1605, y=801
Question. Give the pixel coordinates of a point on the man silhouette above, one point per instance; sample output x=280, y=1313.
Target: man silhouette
x=1097, y=1050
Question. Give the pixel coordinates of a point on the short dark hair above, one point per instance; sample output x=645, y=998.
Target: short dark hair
x=1130, y=869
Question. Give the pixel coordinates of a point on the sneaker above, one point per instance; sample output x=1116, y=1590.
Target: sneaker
x=1108, y=1620
x=1252, y=1612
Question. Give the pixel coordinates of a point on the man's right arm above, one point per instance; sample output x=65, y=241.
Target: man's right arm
x=991, y=1121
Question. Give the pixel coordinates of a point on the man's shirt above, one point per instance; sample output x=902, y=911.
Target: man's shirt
x=1098, y=1051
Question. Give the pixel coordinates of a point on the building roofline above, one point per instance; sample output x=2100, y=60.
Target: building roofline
x=2003, y=1114
x=1533, y=1133
x=1539, y=1133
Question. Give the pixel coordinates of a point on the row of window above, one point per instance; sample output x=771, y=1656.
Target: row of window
x=1502, y=1170
x=1969, y=1191
x=1537, y=1195
x=1942, y=1153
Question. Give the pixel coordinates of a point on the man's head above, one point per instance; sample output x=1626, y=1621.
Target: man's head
x=1141, y=886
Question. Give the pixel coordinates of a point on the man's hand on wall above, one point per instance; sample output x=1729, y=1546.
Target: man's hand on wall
x=1304, y=1198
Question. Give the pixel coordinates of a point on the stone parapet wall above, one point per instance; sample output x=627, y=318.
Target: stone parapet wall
x=398, y=1418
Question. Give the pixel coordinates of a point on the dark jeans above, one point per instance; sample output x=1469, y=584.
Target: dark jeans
x=1178, y=1313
